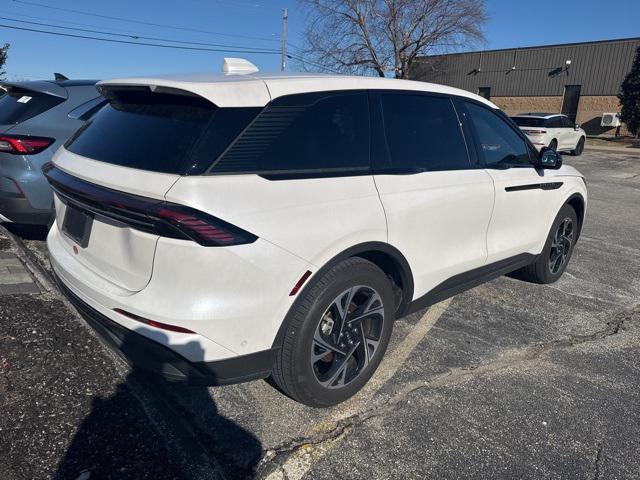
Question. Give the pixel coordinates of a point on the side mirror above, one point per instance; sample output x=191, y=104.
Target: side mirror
x=576, y=127
x=549, y=158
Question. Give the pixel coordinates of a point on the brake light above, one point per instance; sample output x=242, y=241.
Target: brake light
x=149, y=215
x=152, y=323
x=535, y=132
x=204, y=229
x=23, y=144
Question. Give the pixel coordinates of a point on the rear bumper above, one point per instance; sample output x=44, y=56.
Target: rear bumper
x=18, y=210
x=145, y=354
x=25, y=195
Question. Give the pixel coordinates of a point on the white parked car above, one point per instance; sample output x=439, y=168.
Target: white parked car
x=225, y=228
x=552, y=130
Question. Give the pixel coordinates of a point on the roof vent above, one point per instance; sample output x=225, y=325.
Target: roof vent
x=238, y=66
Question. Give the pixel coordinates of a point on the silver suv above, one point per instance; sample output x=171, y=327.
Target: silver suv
x=35, y=119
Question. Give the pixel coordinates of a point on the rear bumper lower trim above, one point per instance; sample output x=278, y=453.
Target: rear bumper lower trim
x=19, y=210
x=145, y=354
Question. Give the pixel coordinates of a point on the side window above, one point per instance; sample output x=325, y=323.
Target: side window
x=566, y=123
x=423, y=132
x=498, y=143
x=294, y=134
x=555, y=122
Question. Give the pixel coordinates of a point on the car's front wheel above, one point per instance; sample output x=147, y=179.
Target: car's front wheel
x=552, y=262
x=336, y=334
x=579, y=148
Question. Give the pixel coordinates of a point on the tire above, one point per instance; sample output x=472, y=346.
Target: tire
x=305, y=368
x=579, y=148
x=544, y=270
x=554, y=145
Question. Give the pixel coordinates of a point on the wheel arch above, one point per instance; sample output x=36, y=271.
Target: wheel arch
x=578, y=204
x=385, y=256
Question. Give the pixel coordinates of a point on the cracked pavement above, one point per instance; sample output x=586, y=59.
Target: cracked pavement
x=508, y=380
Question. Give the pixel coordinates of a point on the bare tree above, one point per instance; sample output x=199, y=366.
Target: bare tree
x=4, y=54
x=381, y=36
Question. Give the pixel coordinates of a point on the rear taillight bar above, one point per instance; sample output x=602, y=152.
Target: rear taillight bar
x=535, y=132
x=24, y=144
x=149, y=215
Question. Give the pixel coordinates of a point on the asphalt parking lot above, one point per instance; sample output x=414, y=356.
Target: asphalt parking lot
x=508, y=380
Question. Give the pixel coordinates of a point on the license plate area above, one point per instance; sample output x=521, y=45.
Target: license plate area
x=77, y=225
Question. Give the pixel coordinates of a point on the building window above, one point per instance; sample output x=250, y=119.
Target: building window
x=485, y=92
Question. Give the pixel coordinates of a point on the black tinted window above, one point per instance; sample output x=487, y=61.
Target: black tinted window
x=529, y=121
x=161, y=132
x=499, y=144
x=423, y=132
x=303, y=133
x=19, y=105
x=566, y=123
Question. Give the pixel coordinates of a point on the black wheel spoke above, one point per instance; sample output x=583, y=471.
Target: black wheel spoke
x=359, y=318
x=327, y=345
x=347, y=336
x=561, y=245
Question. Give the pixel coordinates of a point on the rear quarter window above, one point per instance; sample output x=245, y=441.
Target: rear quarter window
x=19, y=105
x=304, y=133
x=161, y=132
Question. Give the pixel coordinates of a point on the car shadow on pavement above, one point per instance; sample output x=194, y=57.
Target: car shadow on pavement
x=28, y=232
x=138, y=432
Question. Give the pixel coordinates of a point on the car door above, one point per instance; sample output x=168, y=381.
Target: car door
x=437, y=200
x=570, y=135
x=523, y=197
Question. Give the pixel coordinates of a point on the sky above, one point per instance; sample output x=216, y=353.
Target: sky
x=247, y=25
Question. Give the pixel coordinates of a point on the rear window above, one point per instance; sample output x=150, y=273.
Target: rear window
x=162, y=132
x=19, y=105
x=529, y=121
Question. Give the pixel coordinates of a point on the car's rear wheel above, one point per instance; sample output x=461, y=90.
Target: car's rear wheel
x=552, y=262
x=553, y=145
x=579, y=148
x=336, y=335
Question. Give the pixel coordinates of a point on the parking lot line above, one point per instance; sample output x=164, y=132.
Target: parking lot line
x=391, y=362
x=302, y=460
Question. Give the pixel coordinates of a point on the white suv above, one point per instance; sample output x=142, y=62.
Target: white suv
x=219, y=229
x=552, y=130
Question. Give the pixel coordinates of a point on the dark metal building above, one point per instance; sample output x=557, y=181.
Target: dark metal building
x=581, y=80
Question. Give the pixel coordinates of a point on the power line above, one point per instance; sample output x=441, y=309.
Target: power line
x=132, y=36
x=121, y=19
x=146, y=44
x=113, y=30
x=315, y=64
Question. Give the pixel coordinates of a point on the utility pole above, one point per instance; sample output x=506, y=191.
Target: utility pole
x=283, y=58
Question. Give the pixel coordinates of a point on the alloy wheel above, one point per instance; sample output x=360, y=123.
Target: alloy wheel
x=347, y=336
x=561, y=246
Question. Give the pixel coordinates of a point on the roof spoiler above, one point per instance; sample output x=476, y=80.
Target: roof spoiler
x=40, y=86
